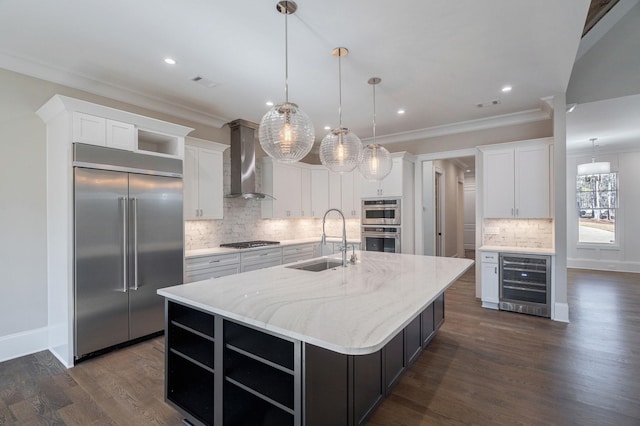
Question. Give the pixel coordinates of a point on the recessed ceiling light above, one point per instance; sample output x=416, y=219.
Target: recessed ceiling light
x=400, y=111
x=327, y=127
x=506, y=89
x=169, y=61
x=269, y=103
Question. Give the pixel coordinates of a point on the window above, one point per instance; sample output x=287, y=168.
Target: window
x=597, y=198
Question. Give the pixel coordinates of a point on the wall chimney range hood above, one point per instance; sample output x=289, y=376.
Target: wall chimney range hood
x=243, y=161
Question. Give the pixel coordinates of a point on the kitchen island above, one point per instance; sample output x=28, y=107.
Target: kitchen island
x=288, y=346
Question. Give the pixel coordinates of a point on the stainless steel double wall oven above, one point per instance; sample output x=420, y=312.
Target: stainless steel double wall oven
x=380, y=225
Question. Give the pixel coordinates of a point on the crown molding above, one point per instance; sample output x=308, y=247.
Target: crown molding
x=46, y=72
x=522, y=117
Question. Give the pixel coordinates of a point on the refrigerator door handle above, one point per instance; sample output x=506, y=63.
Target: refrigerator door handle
x=123, y=200
x=135, y=243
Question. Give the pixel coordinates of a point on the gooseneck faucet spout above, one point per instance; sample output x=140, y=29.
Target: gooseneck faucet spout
x=344, y=234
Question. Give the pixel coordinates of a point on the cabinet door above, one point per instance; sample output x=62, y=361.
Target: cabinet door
x=210, y=184
x=120, y=135
x=89, y=129
x=490, y=285
x=499, y=183
x=390, y=186
x=351, y=194
x=287, y=190
x=532, y=182
x=305, y=193
x=190, y=183
x=319, y=192
x=335, y=191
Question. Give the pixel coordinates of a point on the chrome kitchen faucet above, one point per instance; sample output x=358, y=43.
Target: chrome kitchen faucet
x=343, y=247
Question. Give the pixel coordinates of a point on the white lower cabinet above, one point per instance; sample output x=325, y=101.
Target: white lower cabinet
x=490, y=280
x=298, y=252
x=262, y=258
x=213, y=266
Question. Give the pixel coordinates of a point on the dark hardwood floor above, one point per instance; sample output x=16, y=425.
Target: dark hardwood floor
x=484, y=367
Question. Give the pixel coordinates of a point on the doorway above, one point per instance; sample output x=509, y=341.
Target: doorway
x=439, y=205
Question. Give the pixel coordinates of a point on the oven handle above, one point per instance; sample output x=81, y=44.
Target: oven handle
x=394, y=235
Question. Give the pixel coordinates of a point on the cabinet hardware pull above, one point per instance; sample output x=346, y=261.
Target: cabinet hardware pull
x=214, y=261
x=135, y=243
x=124, y=243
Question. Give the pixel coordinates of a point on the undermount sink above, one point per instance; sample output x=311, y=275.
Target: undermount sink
x=317, y=265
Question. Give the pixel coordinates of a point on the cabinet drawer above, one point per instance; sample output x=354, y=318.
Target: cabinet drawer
x=489, y=257
x=296, y=253
x=215, y=272
x=306, y=248
x=260, y=256
x=207, y=262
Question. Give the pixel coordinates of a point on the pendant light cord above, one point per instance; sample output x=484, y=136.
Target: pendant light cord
x=286, y=53
x=374, y=114
x=340, y=86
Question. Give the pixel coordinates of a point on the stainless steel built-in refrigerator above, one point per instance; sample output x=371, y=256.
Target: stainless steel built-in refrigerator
x=128, y=243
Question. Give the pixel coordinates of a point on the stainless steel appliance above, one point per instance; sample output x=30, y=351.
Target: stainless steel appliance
x=250, y=244
x=381, y=212
x=525, y=284
x=128, y=242
x=381, y=238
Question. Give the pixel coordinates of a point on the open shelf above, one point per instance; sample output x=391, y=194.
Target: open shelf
x=191, y=319
x=261, y=345
x=158, y=143
x=244, y=408
x=269, y=384
x=197, y=347
x=191, y=388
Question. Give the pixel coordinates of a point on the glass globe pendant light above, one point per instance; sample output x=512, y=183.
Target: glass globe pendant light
x=286, y=133
x=340, y=149
x=376, y=161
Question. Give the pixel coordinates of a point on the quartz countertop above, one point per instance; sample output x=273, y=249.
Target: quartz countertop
x=354, y=310
x=222, y=250
x=513, y=249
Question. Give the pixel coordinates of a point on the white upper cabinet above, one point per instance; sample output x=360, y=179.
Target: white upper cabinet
x=516, y=181
x=121, y=135
x=203, y=179
x=94, y=130
x=397, y=184
x=351, y=201
x=319, y=191
x=305, y=192
x=284, y=182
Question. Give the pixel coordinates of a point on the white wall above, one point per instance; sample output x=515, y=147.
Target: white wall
x=625, y=255
x=23, y=267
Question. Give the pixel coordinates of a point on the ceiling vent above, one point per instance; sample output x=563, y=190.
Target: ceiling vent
x=204, y=81
x=488, y=103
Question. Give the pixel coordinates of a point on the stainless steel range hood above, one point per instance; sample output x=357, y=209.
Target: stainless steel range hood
x=243, y=161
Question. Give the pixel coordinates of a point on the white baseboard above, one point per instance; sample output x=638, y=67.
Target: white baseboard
x=604, y=265
x=561, y=312
x=490, y=305
x=25, y=343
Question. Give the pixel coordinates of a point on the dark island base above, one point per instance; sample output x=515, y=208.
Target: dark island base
x=220, y=372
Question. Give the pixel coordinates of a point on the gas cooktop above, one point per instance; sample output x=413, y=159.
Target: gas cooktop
x=250, y=244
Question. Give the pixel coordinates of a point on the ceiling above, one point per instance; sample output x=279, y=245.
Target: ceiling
x=438, y=60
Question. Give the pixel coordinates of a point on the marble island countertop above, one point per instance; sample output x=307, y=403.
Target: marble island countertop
x=354, y=310
x=222, y=250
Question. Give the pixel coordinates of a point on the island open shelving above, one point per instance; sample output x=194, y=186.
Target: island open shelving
x=226, y=365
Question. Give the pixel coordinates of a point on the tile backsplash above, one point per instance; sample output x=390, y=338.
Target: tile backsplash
x=243, y=222
x=529, y=233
